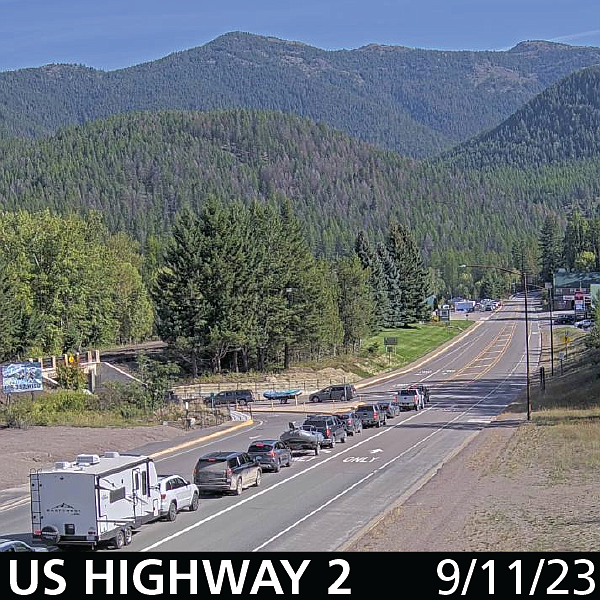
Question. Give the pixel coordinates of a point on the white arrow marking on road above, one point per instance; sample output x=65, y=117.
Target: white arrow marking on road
x=376, y=450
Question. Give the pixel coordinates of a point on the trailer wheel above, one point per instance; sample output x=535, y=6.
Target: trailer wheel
x=172, y=514
x=195, y=502
x=119, y=540
x=128, y=534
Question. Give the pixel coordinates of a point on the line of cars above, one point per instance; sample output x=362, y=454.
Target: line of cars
x=97, y=501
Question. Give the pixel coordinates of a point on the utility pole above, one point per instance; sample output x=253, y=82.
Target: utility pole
x=551, y=330
x=524, y=274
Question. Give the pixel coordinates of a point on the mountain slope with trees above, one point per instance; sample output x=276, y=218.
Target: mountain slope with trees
x=560, y=124
x=139, y=169
x=414, y=101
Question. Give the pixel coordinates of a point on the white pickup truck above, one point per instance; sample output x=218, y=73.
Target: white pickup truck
x=410, y=399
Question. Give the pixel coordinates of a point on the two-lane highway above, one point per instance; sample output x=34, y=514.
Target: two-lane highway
x=321, y=502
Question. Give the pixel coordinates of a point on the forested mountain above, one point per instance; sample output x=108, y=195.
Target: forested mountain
x=560, y=124
x=138, y=169
x=414, y=101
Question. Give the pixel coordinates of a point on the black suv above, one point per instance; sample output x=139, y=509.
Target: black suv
x=241, y=397
x=330, y=426
x=334, y=393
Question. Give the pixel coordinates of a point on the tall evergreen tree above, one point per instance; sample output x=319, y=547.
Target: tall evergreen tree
x=371, y=260
x=179, y=295
x=576, y=238
x=395, y=316
x=550, y=247
x=413, y=276
x=355, y=300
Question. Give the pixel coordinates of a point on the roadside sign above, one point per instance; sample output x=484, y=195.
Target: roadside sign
x=390, y=341
x=567, y=339
x=444, y=314
x=548, y=285
x=561, y=355
x=22, y=377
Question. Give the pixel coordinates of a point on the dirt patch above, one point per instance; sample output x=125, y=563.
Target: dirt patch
x=501, y=493
x=65, y=443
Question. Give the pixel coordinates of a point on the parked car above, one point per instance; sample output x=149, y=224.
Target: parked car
x=585, y=324
x=176, y=494
x=226, y=472
x=241, y=397
x=334, y=393
x=271, y=454
x=18, y=546
x=352, y=422
x=371, y=415
x=411, y=399
x=330, y=426
x=391, y=409
x=564, y=320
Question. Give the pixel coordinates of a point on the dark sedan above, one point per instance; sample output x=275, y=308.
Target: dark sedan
x=271, y=454
x=351, y=422
x=391, y=409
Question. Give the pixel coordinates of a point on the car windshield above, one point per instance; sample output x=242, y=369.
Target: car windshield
x=408, y=392
x=205, y=462
x=365, y=407
x=260, y=447
x=315, y=423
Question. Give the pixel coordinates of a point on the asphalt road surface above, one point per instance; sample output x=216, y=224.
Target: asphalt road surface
x=321, y=502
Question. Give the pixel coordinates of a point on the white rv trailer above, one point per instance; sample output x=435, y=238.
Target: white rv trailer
x=94, y=500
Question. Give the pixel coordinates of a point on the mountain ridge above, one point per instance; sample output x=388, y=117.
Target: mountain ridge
x=414, y=101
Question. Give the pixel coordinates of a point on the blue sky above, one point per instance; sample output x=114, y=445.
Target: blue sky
x=110, y=34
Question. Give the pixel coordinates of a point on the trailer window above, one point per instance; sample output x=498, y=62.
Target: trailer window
x=116, y=495
x=144, y=483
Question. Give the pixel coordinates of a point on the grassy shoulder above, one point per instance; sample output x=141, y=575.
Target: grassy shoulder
x=413, y=343
x=550, y=468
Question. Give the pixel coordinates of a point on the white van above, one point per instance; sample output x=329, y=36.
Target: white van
x=95, y=500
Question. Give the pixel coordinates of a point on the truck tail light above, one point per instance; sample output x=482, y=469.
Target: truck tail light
x=272, y=453
x=163, y=496
x=229, y=472
x=327, y=432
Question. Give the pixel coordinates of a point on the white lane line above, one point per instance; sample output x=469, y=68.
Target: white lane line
x=274, y=486
x=372, y=473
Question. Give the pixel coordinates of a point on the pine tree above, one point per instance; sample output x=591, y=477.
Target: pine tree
x=179, y=295
x=576, y=238
x=412, y=273
x=395, y=316
x=550, y=248
x=371, y=261
x=355, y=301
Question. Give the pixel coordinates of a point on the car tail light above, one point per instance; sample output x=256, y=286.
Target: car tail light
x=37, y=532
x=229, y=472
x=272, y=453
x=374, y=414
x=349, y=422
x=327, y=432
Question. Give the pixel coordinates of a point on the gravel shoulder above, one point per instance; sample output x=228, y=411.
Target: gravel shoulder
x=501, y=493
x=36, y=447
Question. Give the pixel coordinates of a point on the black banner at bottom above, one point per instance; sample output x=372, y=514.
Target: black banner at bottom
x=315, y=574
